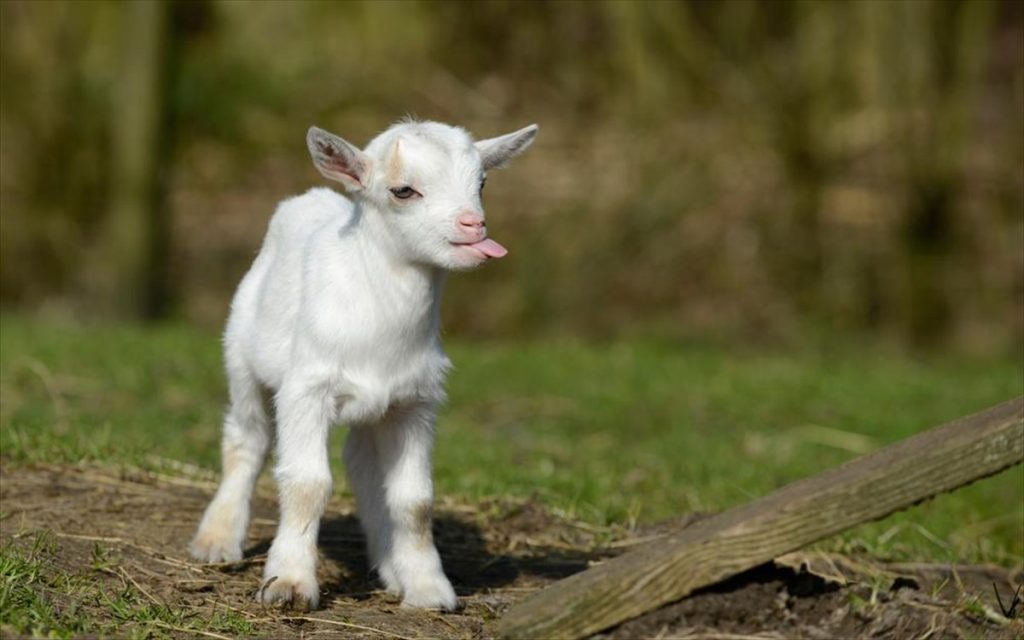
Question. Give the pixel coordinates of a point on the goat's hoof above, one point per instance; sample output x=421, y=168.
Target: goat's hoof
x=206, y=547
x=434, y=593
x=295, y=594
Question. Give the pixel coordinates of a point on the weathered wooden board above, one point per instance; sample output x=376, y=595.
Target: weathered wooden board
x=867, y=488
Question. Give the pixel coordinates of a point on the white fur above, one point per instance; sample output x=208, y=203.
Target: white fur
x=338, y=319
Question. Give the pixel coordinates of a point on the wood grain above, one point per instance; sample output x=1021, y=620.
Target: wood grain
x=867, y=488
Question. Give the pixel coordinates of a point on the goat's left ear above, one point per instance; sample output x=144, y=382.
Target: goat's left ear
x=337, y=159
x=496, y=152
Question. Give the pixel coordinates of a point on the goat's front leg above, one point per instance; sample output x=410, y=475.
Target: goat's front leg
x=404, y=441
x=305, y=413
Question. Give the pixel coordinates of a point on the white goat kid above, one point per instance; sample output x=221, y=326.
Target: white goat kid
x=338, y=317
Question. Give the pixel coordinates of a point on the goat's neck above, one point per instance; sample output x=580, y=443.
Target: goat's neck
x=401, y=281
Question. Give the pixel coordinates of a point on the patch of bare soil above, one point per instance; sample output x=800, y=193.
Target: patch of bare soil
x=849, y=600
x=129, y=529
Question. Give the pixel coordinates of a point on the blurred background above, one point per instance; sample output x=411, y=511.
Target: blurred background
x=735, y=171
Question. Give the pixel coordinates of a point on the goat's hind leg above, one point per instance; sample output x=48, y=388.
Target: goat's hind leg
x=244, y=445
x=362, y=465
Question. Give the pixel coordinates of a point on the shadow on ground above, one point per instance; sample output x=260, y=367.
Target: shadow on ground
x=472, y=561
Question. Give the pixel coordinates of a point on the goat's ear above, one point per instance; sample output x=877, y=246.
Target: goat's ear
x=337, y=159
x=496, y=152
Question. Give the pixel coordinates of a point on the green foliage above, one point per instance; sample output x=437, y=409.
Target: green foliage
x=625, y=432
x=742, y=168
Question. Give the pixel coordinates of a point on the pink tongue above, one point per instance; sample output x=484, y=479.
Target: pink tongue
x=490, y=248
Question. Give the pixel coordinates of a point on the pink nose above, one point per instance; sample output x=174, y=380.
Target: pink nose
x=471, y=222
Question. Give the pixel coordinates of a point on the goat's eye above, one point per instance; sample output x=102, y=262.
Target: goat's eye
x=404, y=193
x=483, y=181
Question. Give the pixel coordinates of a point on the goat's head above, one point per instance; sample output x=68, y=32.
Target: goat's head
x=426, y=179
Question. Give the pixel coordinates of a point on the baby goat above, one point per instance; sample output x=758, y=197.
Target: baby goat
x=338, y=318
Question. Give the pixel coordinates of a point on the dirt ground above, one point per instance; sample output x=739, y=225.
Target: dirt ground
x=495, y=553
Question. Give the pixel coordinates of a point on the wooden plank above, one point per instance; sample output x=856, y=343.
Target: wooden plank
x=867, y=488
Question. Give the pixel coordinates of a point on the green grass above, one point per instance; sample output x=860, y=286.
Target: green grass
x=24, y=605
x=41, y=600
x=610, y=433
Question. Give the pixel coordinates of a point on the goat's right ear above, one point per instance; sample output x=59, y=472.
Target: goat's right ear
x=338, y=160
x=496, y=152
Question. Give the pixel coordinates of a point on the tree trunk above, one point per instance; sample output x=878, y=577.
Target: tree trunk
x=133, y=282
